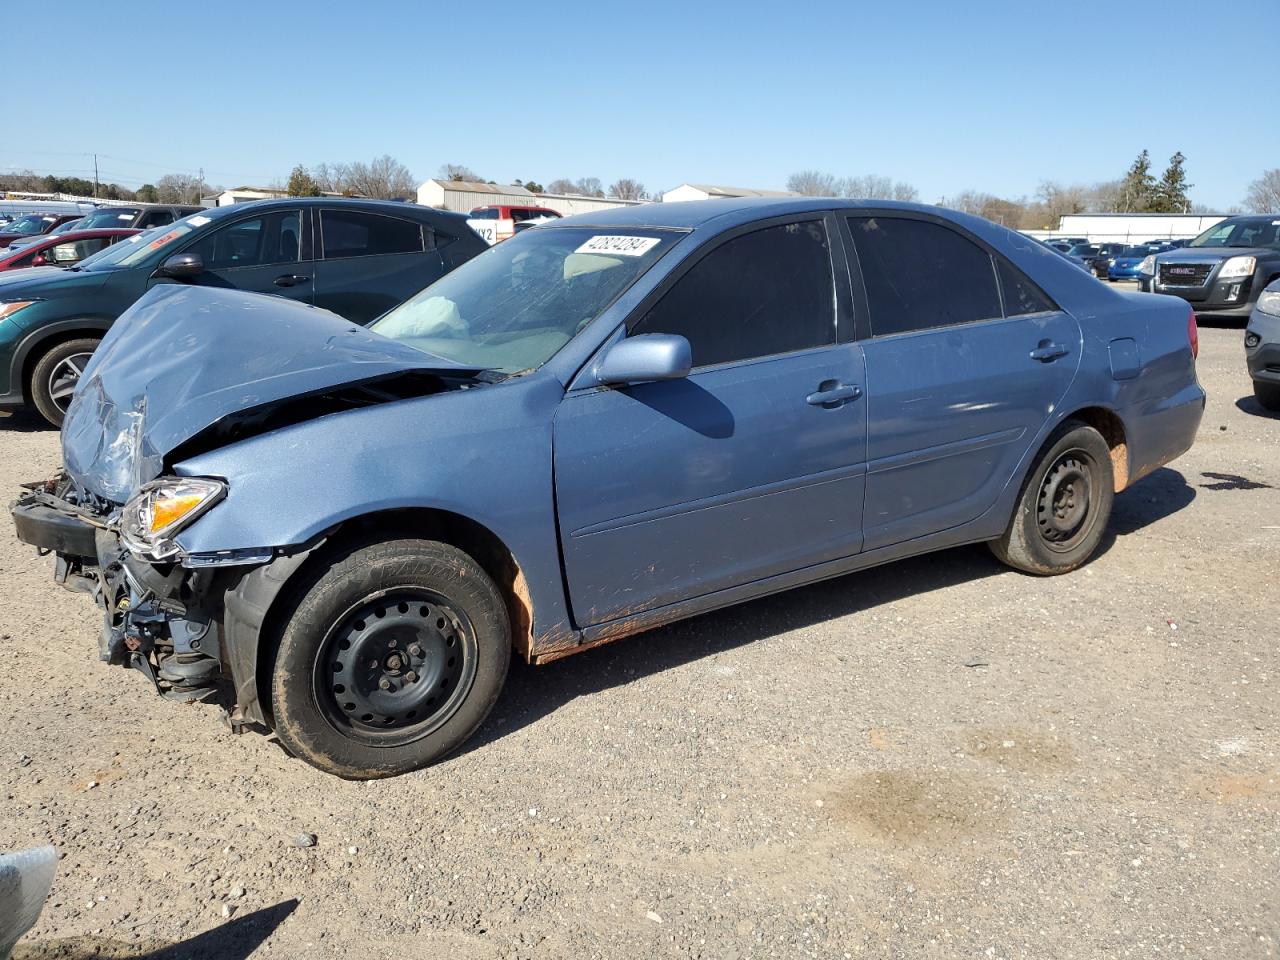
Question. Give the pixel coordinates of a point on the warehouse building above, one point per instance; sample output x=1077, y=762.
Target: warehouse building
x=711, y=191
x=463, y=196
x=1131, y=227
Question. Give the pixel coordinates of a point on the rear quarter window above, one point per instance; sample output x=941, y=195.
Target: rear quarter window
x=352, y=233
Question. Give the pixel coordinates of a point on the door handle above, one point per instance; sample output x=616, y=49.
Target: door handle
x=832, y=394
x=1047, y=351
x=288, y=280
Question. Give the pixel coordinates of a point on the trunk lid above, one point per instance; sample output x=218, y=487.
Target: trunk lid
x=182, y=358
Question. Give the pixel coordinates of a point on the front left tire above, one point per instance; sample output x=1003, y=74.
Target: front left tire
x=392, y=659
x=56, y=374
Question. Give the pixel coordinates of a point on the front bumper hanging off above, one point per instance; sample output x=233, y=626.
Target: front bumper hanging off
x=156, y=618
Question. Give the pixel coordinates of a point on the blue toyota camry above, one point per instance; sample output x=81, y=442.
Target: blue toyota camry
x=597, y=427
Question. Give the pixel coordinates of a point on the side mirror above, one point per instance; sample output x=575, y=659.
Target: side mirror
x=181, y=265
x=648, y=357
x=39, y=261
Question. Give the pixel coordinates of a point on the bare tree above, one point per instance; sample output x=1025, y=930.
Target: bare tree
x=875, y=187
x=385, y=178
x=561, y=186
x=181, y=188
x=969, y=201
x=589, y=187
x=457, y=171
x=1060, y=200
x=905, y=192
x=1264, y=193
x=813, y=183
x=627, y=189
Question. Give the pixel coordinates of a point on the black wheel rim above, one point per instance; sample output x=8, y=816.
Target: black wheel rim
x=395, y=667
x=63, y=379
x=1064, y=509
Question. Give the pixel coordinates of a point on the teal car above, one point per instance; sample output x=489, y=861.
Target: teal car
x=356, y=258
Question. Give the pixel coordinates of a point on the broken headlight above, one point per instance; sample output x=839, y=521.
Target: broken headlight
x=163, y=507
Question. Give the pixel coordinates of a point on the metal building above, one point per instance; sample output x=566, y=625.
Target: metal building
x=712, y=191
x=463, y=196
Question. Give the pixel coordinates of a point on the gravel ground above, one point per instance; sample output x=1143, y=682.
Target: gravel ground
x=938, y=758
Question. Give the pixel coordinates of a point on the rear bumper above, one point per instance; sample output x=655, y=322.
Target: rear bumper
x=1163, y=430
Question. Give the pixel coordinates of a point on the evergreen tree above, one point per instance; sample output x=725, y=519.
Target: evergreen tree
x=302, y=184
x=1137, y=189
x=1170, y=195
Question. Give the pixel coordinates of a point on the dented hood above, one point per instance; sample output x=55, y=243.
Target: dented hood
x=182, y=358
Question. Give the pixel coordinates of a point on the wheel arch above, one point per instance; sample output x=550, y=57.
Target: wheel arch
x=258, y=607
x=43, y=339
x=1108, y=423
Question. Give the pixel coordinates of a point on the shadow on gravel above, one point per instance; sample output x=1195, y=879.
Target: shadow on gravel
x=234, y=940
x=534, y=692
x=1251, y=406
x=25, y=421
x=1154, y=497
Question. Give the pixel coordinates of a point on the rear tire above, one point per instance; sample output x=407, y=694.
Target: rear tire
x=1064, y=505
x=1267, y=394
x=55, y=377
x=392, y=658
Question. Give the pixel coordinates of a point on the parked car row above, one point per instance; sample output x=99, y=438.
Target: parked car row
x=599, y=426
x=356, y=258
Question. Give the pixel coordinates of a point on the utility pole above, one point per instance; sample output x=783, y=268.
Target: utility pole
x=199, y=186
x=95, y=176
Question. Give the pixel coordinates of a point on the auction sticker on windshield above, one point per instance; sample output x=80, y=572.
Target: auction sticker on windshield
x=623, y=246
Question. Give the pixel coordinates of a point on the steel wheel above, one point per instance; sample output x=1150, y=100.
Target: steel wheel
x=396, y=667
x=62, y=379
x=1063, y=514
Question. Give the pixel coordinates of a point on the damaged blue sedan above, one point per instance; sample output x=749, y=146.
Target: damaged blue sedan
x=600, y=426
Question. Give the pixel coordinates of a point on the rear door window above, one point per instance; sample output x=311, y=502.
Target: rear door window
x=353, y=233
x=920, y=275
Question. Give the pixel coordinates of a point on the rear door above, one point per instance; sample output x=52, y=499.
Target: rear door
x=266, y=253
x=372, y=261
x=966, y=360
x=672, y=490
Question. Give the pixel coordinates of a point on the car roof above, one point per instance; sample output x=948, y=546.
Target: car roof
x=731, y=211
x=389, y=207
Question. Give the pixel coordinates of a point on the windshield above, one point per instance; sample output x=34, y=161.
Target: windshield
x=1083, y=250
x=1243, y=232
x=68, y=227
x=28, y=226
x=132, y=250
x=514, y=306
x=109, y=217
x=485, y=213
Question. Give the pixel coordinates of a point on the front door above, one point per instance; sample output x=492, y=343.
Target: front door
x=752, y=466
x=966, y=360
x=262, y=254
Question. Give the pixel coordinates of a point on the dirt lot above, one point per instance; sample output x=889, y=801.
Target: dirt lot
x=938, y=758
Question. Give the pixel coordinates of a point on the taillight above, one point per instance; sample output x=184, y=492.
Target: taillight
x=1193, y=335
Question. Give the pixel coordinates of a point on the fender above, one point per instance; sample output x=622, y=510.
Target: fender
x=31, y=345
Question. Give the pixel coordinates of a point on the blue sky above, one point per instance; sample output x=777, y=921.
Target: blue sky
x=945, y=95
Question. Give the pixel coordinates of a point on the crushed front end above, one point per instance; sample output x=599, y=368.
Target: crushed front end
x=159, y=617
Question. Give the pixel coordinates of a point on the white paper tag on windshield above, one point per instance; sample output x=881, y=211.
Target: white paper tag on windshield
x=197, y=221
x=621, y=246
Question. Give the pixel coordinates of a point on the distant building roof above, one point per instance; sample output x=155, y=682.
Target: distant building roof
x=718, y=190
x=473, y=186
